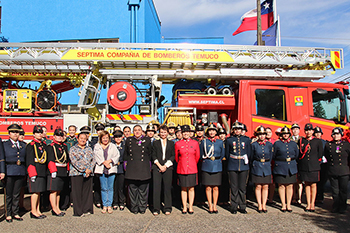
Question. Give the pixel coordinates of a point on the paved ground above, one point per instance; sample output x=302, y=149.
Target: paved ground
x=124, y=221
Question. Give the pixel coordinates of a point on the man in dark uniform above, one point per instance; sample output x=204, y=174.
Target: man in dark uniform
x=238, y=153
x=71, y=139
x=171, y=127
x=12, y=165
x=137, y=157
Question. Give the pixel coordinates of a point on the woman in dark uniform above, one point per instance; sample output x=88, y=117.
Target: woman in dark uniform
x=261, y=167
x=212, y=152
x=36, y=159
x=285, y=153
x=187, y=156
x=118, y=194
x=12, y=166
x=337, y=153
x=311, y=152
x=224, y=189
x=57, y=157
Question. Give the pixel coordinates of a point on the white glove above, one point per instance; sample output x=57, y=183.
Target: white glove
x=33, y=178
x=53, y=174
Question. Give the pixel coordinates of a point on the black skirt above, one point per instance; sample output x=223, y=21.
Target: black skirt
x=38, y=186
x=312, y=177
x=56, y=184
x=189, y=180
x=261, y=179
x=213, y=179
x=281, y=179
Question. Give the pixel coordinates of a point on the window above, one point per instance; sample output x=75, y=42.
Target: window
x=271, y=103
x=326, y=104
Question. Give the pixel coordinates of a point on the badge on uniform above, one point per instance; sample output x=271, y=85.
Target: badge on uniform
x=243, y=144
x=337, y=149
x=212, y=158
x=18, y=162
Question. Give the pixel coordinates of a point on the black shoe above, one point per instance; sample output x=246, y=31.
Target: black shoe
x=264, y=211
x=36, y=217
x=243, y=211
x=58, y=215
x=9, y=220
x=307, y=210
x=190, y=212
x=311, y=210
x=43, y=216
x=283, y=210
x=115, y=207
x=17, y=218
x=121, y=208
x=215, y=211
x=233, y=211
x=260, y=211
x=289, y=210
x=210, y=211
x=142, y=212
x=184, y=212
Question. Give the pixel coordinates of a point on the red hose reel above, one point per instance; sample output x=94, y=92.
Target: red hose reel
x=121, y=96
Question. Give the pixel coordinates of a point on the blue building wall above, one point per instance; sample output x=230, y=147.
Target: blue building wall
x=38, y=20
x=202, y=40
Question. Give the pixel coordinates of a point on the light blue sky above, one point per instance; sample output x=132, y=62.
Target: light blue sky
x=306, y=23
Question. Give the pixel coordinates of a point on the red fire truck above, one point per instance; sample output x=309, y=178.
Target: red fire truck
x=257, y=85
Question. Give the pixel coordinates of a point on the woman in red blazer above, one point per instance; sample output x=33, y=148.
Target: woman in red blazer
x=187, y=155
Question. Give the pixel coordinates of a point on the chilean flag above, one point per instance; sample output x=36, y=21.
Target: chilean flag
x=250, y=19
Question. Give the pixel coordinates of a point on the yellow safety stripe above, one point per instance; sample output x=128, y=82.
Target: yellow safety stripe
x=270, y=122
x=318, y=122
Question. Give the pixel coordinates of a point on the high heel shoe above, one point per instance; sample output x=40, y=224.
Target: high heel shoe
x=17, y=218
x=58, y=215
x=215, y=211
x=9, y=220
x=264, y=211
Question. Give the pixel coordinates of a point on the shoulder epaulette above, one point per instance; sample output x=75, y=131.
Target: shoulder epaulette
x=52, y=144
x=32, y=143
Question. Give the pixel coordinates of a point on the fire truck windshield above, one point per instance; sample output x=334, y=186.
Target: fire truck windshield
x=326, y=105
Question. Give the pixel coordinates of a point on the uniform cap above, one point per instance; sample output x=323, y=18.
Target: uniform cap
x=21, y=132
x=295, y=125
x=85, y=129
x=237, y=125
x=38, y=129
x=260, y=130
x=178, y=128
x=211, y=127
x=199, y=128
x=285, y=130
x=171, y=125
x=150, y=127
x=337, y=130
x=58, y=132
x=118, y=133
x=14, y=127
x=308, y=126
x=154, y=122
x=221, y=131
x=100, y=126
x=318, y=130
x=185, y=128
x=193, y=129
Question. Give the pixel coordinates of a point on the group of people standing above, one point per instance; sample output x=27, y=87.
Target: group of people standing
x=163, y=157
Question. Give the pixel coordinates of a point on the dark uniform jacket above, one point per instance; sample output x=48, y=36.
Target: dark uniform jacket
x=121, y=149
x=337, y=155
x=285, y=154
x=36, y=158
x=57, y=157
x=261, y=158
x=137, y=158
x=310, y=154
x=70, y=142
x=94, y=141
x=14, y=158
x=237, y=146
x=157, y=153
x=2, y=158
x=209, y=164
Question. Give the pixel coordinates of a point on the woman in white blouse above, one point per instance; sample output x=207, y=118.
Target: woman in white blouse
x=106, y=155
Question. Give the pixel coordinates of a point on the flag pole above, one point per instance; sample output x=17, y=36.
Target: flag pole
x=259, y=34
x=279, y=31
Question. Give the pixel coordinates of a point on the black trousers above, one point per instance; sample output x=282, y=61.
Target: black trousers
x=166, y=179
x=138, y=193
x=97, y=190
x=224, y=188
x=65, y=195
x=12, y=192
x=118, y=194
x=82, y=195
x=339, y=185
x=238, y=184
x=322, y=182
